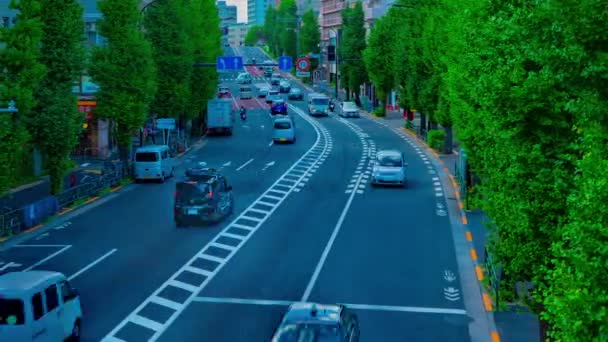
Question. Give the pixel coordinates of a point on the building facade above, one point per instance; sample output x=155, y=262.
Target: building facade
x=228, y=17
x=305, y=5
x=256, y=10
x=237, y=33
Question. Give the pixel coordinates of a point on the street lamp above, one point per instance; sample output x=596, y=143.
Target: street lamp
x=337, y=34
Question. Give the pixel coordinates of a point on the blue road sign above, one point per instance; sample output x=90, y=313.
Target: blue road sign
x=285, y=63
x=229, y=63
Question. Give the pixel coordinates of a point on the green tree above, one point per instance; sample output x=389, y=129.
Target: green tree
x=310, y=33
x=166, y=28
x=124, y=69
x=20, y=77
x=57, y=123
x=287, y=36
x=378, y=56
x=350, y=49
x=254, y=34
x=272, y=29
x=207, y=47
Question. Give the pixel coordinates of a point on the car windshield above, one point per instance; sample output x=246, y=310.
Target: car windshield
x=390, y=160
x=11, y=312
x=295, y=90
x=349, y=106
x=308, y=332
x=320, y=101
x=282, y=125
x=190, y=190
x=146, y=156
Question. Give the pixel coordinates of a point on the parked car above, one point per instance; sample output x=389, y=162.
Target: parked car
x=295, y=94
x=284, y=87
x=278, y=107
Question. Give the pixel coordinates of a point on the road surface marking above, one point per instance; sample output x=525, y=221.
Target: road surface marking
x=246, y=163
x=48, y=258
x=278, y=191
x=270, y=143
x=97, y=261
x=266, y=203
x=438, y=194
x=40, y=246
x=182, y=285
x=165, y=302
x=251, y=218
x=272, y=197
x=222, y=246
x=329, y=245
x=370, y=307
x=201, y=271
x=135, y=318
x=265, y=212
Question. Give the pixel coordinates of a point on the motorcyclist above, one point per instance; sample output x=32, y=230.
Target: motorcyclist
x=332, y=105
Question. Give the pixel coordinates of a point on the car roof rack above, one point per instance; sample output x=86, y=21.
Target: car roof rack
x=201, y=173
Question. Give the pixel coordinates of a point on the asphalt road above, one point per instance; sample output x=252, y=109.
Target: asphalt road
x=322, y=234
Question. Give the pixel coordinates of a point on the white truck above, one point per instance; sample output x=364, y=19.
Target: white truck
x=220, y=117
x=318, y=104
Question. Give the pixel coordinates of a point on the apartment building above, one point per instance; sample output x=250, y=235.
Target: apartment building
x=237, y=33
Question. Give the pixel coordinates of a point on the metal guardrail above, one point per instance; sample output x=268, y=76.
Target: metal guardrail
x=11, y=222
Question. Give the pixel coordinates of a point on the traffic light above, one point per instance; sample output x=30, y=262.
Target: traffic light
x=331, y=53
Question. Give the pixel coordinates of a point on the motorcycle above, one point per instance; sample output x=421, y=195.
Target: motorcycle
x=243, y=114
x=332, y=106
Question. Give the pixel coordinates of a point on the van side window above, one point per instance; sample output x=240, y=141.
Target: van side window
x=52, y=299
x=37, y=307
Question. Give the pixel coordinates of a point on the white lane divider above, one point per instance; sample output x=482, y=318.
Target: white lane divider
x=363, y=168
x=205, y=265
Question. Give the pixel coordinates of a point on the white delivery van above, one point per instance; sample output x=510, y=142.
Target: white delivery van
x=38, y=306
x=318, y=104
x=153, y=162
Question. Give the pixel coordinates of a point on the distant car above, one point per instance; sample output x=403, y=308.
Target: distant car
x=268, y=71
x=295, y=94
x=284, y=87
x=275, y=79
x=389, y=168
x=263, y=92
x=318, y=322
x=273, y=95
x=223, y=92
x=278, y=107
x=244, y=78
x=349, y=110
x=203, y=196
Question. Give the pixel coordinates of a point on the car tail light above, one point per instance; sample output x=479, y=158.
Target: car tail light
x=210, y=194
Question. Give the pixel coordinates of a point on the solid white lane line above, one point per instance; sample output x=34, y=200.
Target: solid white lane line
x=48, y=258
x=146, y=323
x=242, y=301
x=86, y=268
x=405, y=309
x=197, y=270
x=210, y=257
x=246, y=163
x=329, y=245
x=41, y=246
x=165, y=302
x=183, y=286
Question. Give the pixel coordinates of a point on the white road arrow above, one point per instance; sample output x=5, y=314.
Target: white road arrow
x=42, y=236
x=202, y=164
x=63, y=226
x=268, y=165
x=451, y=294
x=227, y=164
x=449, y=276
x=10, y=264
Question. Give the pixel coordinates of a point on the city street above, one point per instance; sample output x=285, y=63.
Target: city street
x=307, y=226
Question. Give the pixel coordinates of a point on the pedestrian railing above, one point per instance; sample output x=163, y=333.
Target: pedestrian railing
x=12, y=222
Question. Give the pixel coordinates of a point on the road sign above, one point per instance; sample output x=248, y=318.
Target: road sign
x=229, y=63
x=165, y=123
x=302, y=73
x=303, y=64
x=285, y=63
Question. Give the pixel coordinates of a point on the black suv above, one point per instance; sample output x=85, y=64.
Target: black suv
x=204, y=196
x=335, y=323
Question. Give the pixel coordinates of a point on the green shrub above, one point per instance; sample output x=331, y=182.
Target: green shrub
x=379, y=112
x=436, y=139
x=409, y=125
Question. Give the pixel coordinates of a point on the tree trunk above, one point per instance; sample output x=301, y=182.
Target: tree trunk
x=423, y=124
x=448, y=146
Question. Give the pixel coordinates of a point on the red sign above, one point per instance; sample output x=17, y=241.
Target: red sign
x=87, y=107
x=303, y=64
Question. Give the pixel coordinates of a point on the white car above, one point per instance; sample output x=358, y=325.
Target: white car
x=244, y=78
x=349, y=110
x=389, y=168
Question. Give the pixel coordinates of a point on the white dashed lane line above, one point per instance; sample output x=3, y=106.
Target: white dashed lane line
x=179, y=290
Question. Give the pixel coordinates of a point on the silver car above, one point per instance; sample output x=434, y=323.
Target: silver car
x=349, y=110
x=284, y=130
x=389, y=168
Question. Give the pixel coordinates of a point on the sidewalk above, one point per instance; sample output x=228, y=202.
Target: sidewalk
x=515, y=323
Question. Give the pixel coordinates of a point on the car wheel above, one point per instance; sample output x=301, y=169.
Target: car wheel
x=178, y=224
x=75, y=336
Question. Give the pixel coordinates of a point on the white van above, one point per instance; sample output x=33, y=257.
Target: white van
x=153, y=162
x=38, y=306
x=246, y=92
